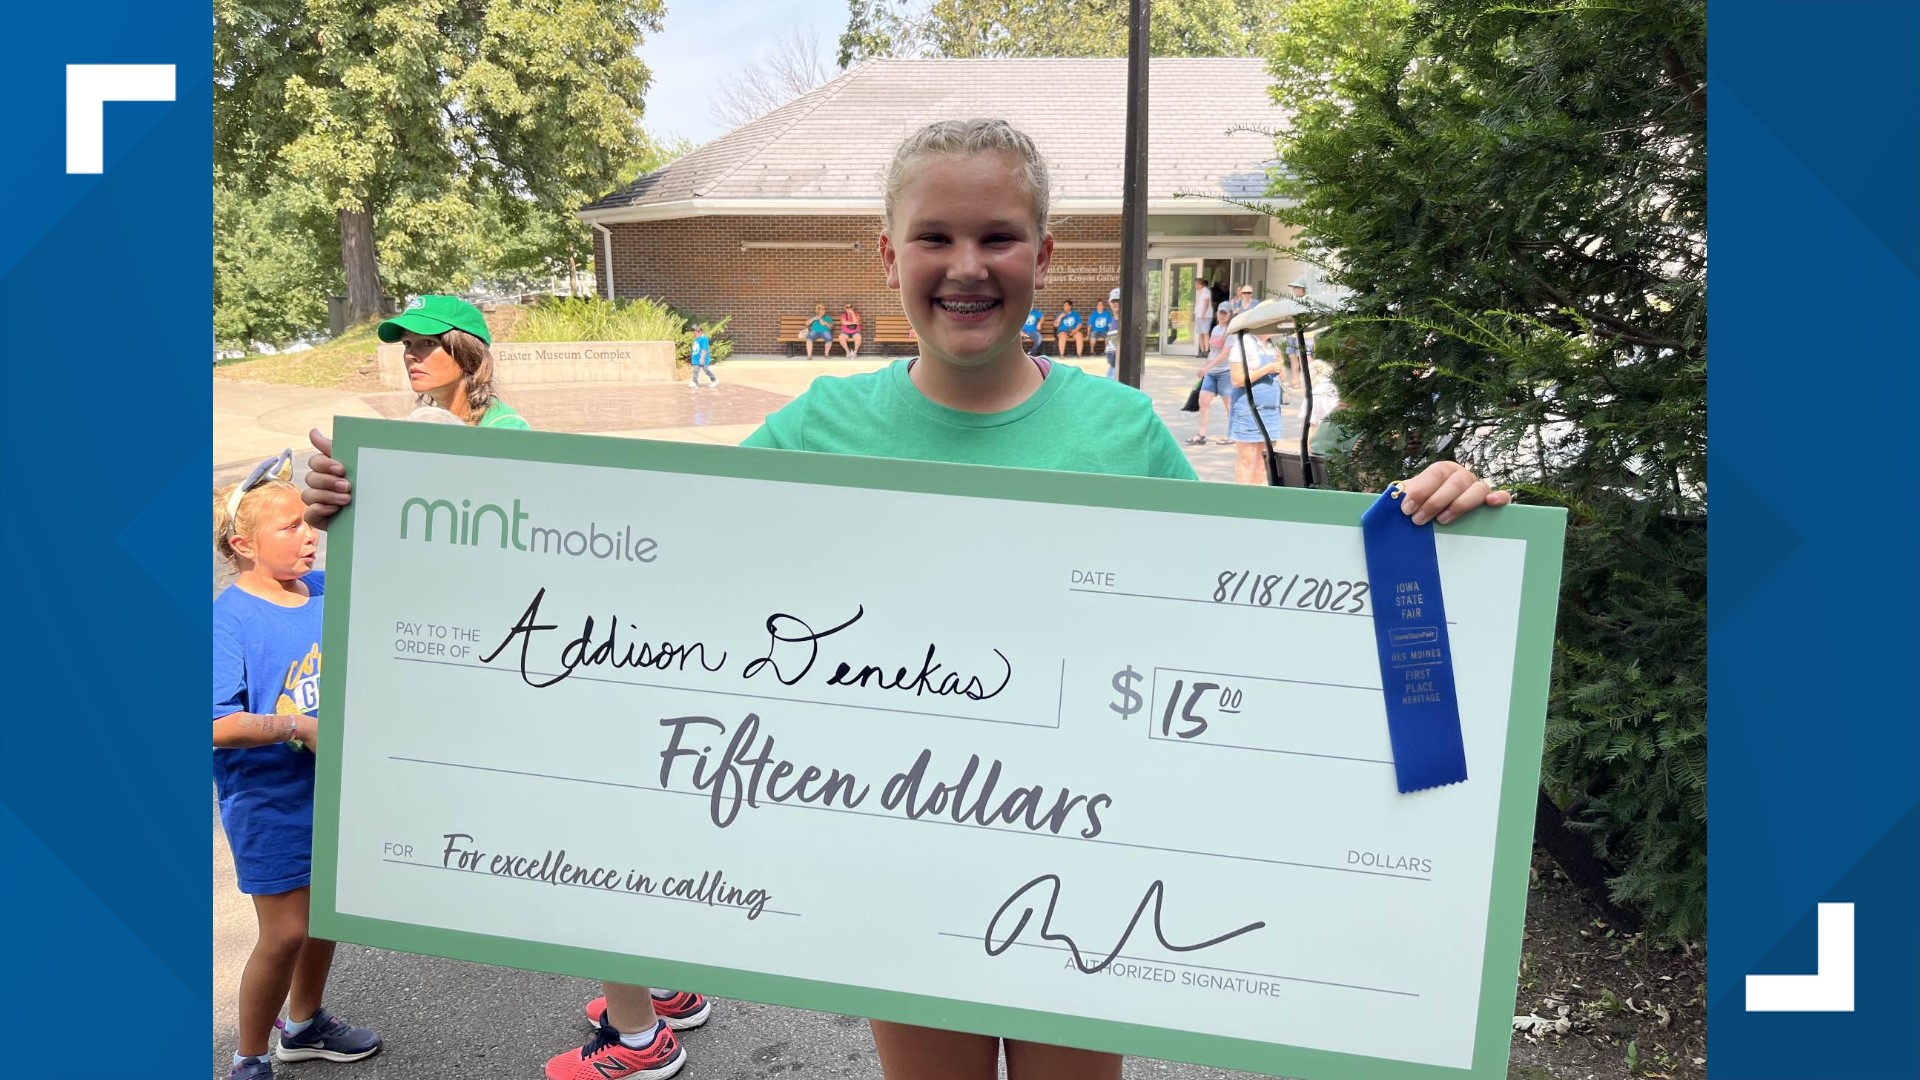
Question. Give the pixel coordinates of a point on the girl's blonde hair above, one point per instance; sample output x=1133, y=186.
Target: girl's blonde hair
x=476, y=365
x=965, y=138
x=245, y=517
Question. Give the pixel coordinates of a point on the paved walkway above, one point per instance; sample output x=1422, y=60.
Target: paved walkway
x=253, y=420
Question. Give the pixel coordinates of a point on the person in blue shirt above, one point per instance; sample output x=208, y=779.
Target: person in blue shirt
x=1099, y=326
x=266, y=694
x=1031, y=328
x=819, y=329
x=1068, y=327
x=703, y=358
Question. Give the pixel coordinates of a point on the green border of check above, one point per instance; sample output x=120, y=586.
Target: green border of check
x=1542, y=529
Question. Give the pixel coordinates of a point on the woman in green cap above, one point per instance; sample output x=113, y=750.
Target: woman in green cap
x=449, y=363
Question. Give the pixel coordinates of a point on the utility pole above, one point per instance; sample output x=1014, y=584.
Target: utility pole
x=1133, y=206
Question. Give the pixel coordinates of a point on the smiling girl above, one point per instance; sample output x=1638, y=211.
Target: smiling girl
x=965, y=243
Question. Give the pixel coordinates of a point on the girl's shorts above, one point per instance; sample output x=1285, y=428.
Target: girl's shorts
x=1219, y=382
x=819, y=335
x=272, y=849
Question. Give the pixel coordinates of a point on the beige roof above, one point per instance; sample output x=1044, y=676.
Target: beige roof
x=824, y=152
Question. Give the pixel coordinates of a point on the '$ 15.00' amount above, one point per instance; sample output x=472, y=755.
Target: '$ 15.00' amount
x=1274, y=590
x=1186, y=700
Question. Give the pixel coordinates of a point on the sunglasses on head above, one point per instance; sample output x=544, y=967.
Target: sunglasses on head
x=278, y=467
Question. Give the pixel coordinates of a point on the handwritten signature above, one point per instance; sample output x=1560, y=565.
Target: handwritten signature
x=1051, y=884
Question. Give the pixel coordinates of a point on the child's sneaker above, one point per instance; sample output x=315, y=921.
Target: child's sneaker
x=328, y=1037
x=605, y=1057
x=260, y=1068
x=684, y=1011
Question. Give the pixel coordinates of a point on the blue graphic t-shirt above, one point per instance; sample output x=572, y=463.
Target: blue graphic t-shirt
x=1099, y=323
x=1034, y=316
x=1068, y=322
x=702, y=350
x=266, y=660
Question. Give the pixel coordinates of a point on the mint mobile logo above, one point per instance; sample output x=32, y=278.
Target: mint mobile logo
x=468, y=525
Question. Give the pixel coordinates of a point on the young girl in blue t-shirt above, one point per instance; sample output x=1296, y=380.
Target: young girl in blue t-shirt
x=1067, y=327
x=1099, y=326
x=266, y=690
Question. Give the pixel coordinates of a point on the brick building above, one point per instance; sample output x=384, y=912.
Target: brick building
x=784, y=212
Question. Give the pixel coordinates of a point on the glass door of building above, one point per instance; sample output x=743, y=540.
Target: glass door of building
x=1178, y=301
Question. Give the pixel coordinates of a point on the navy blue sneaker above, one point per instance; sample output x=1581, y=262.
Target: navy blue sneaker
x=260, y=1068
x=328, y=1038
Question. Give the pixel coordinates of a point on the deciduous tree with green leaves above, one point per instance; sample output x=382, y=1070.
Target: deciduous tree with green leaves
x=976, y=28
x=1514, y=196
x=271, y=274
x=427, y=126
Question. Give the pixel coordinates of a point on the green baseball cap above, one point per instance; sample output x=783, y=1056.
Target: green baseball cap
x=436, y=315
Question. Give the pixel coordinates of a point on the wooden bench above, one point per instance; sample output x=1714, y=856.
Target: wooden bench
x=881, y=334
x=889, y=332
x=886, y=335
x=1046, y=335
x=1050, y=344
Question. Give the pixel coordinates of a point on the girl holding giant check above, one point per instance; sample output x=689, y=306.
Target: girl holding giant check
x=965, y=242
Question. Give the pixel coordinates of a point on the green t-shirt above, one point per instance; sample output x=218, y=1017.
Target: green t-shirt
x=1331, y=435
x=501, y=415
x=1072, y=423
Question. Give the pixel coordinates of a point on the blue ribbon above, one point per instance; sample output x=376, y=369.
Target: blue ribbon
x=1416, y=661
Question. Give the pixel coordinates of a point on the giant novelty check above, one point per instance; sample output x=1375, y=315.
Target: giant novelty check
x=1088, y=760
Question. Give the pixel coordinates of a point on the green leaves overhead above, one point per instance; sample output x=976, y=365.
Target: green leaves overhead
x=976, y=28
x=443, y=119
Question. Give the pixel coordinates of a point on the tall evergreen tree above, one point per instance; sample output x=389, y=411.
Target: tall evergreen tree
x=1514, y=197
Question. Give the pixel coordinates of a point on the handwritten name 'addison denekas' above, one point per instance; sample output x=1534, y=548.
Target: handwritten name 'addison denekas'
x=792, y=653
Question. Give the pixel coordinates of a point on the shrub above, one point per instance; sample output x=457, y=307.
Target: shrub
x=589, y=318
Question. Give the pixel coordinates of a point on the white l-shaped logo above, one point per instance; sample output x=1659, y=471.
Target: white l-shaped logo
x=89, y=88
x=1829, y=988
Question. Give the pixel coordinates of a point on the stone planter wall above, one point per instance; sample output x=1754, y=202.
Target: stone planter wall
x=542, y=362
